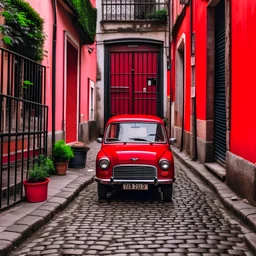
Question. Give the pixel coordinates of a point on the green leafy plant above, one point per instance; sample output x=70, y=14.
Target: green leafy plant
x=26, y=83
x=87, y=17
x=37, y=174
x=160, y=15
x=23, y=29
x=62, y=152
x=47, y=163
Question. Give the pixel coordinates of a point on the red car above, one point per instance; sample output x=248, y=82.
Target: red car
x=135, y=155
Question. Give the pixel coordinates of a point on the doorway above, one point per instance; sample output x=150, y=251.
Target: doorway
x=71, y=93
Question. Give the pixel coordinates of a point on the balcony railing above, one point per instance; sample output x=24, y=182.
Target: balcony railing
x=134, y=10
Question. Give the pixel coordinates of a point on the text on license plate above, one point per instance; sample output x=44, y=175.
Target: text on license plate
x=134, y=186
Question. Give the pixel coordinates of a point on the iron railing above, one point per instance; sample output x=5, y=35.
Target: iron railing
x=130, y=10
x=23, y=122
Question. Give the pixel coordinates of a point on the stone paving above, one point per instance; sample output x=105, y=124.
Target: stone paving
x=141, y=224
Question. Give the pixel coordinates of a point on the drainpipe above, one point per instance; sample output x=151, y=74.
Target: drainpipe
x=80, y=81
x=170, y=62
x=183, y=107
x=54, y=38
x=194, y=133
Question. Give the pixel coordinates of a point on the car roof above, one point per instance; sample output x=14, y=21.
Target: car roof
x=135, y=117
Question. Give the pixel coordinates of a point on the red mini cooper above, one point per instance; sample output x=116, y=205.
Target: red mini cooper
x=135, y=155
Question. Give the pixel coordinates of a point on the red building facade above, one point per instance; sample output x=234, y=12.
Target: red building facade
x=212, y=86
x=75, y=74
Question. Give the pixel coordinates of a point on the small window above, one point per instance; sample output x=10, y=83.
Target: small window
x=91, y=100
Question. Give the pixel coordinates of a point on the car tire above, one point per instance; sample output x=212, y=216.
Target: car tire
x=167, y=193
x=102, y=191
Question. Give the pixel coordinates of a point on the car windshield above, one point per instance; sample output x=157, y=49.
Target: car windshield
x=135, y=132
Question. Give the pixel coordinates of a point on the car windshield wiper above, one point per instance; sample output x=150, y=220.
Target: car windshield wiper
x=140, y=139
x=113, y=139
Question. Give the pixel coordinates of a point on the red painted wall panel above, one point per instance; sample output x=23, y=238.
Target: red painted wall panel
x=168, y=83
x=200, y=28
x=243, y=90
x=71, y=98
x=173, y=47
x=184, y=29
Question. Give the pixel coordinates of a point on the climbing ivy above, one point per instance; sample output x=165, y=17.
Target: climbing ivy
x=160, y=15
x=87, y=17
x=23, y=29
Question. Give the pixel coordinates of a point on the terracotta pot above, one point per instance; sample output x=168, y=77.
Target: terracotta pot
x=61, y=167
x=36, y=192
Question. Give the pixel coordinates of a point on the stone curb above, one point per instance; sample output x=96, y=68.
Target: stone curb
x=245, y=212
x=23, y=228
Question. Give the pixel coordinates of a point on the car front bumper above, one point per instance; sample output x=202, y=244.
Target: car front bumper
x=113, y=181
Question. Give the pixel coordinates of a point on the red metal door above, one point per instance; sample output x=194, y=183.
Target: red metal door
x=71, y=94
x=121, y=83
x=133, y=82
x=145, y=83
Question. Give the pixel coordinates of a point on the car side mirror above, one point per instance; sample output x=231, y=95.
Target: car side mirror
x=99, y=140
x=172, y=141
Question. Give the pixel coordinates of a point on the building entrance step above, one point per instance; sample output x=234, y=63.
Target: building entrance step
x=217, y=170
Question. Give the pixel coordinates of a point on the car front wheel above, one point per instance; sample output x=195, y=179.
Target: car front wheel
x=102, y=191
x=167, y=192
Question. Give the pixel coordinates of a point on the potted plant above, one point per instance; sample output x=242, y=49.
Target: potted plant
x=36, y=185
x=47, y=163
x=80, y=151
x=62, y=153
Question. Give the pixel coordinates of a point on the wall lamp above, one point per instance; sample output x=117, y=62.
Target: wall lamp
x=90, y=49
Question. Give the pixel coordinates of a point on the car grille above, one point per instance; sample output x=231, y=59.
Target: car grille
x=134, y=172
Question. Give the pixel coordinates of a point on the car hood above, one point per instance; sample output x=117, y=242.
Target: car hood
x=134, y=154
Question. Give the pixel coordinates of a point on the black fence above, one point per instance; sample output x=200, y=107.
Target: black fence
x=23, y=122
x=128, y=10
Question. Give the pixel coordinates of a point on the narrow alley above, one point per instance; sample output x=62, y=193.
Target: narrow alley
x=194, y=223
x=126, y=127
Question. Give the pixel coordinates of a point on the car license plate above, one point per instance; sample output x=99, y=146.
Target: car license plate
x=134, y=186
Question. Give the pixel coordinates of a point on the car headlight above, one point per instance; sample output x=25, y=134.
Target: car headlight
x=164, y=164
x=104, y=163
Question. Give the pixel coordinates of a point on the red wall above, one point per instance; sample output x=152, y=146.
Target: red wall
x=88, y=61
x=243, y=55
x=88, y=71
x=184, y=29
x=176, y=9
x=168, y=83
x=200, y=26
x=243, y=89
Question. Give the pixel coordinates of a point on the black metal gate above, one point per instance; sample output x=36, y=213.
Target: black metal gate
x=23, y=122
x=219, y=88
x=134, y=80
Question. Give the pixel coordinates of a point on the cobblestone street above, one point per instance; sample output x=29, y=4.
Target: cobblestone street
x=195, y=223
